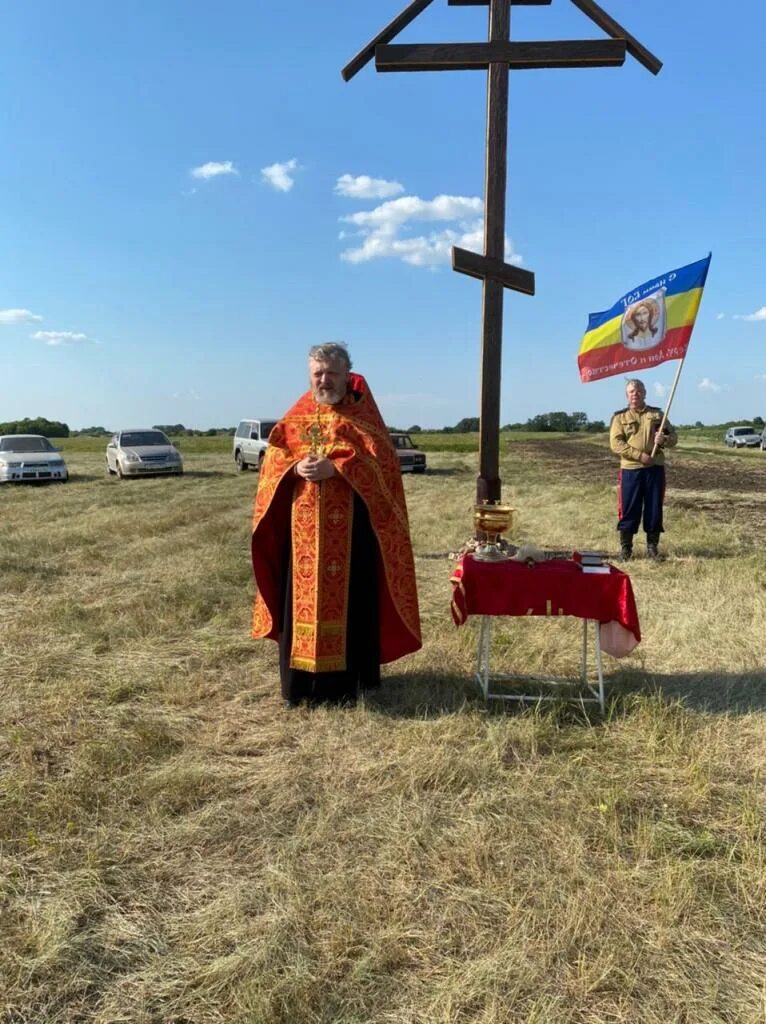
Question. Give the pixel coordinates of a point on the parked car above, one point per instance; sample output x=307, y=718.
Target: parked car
x=30, y=457
x=141, y=452
x=742, y=437
x=410, y=459
x=251, y=439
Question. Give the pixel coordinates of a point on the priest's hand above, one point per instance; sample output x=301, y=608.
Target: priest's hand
x=315, y=468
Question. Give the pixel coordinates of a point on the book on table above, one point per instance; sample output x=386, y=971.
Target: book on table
x=591, y=561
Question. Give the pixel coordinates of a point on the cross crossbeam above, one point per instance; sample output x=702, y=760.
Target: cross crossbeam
x=587, y=53
x=488, y=269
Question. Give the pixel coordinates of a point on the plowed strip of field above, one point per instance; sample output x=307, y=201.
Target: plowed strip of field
x=727, y=487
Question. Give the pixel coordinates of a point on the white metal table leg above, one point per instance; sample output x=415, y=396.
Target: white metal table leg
x=599, y=666
x=483, y=674
x=482, y=661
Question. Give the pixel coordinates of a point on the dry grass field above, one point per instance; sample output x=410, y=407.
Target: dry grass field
x=175, y=848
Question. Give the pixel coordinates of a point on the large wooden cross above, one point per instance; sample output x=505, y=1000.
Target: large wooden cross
x=498, y=56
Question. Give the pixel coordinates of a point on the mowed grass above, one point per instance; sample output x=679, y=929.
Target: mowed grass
x=175, y=848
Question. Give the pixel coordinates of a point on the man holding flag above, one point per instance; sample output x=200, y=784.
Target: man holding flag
x=645, y=327
x=638, y=435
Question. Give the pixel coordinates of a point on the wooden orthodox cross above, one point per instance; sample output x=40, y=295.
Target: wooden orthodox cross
x=497, y=56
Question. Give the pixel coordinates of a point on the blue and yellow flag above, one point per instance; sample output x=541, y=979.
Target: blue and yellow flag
x=645, y=327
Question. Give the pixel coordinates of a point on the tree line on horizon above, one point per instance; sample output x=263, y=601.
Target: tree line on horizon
x=548, y=422
x=54, y=428
x=566, y=423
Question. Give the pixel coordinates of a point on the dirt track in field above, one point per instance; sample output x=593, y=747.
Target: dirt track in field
x=728, y=487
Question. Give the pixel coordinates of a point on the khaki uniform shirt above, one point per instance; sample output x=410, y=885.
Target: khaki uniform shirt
x=632, y=432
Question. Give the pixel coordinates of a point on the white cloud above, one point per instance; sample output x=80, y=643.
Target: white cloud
x=720, y=316
x=761, y=376
x=660, y=390
x=365, y=187
x=760, y=314
x=706, y=384
x=280, y=176
x=213, y=169
x=388, y=216
x=60, y=337
x=191, y=395
x=17, y=316
x=386, y=230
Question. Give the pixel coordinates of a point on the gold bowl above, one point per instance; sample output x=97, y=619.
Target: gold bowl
x=490, y=520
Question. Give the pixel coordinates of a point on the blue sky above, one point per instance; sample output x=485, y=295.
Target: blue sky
x=190, y=196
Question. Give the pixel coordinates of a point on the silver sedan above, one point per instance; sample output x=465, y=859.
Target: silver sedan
x=142, y=452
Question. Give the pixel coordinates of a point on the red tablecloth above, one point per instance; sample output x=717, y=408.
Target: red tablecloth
x=554, y=587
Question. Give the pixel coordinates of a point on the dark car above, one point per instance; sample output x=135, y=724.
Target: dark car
x=410, y=459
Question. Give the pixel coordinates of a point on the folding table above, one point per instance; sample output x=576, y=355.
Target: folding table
x=553, y=587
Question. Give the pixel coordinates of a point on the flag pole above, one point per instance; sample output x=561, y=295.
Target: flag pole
x=661, y=428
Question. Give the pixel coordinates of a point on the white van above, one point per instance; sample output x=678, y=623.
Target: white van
x=250, y=441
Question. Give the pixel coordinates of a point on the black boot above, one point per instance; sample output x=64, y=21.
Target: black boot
x=626, y=545
x=652, y=550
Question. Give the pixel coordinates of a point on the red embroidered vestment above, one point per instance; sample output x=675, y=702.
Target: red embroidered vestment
x=352, y=434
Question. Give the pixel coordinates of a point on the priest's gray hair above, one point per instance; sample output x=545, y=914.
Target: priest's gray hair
x=636, y=383
x=330, y=352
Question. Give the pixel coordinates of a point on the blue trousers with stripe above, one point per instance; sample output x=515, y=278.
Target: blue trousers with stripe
x=640, y=494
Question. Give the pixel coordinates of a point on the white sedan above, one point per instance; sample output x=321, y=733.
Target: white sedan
x=142, y=452
x=25, y=458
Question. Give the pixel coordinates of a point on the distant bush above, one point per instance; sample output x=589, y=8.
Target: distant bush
x=39, y=425
x=91, y=432
x=468, y=425
x=179, y=430
x=171, y=428
x=559, y=423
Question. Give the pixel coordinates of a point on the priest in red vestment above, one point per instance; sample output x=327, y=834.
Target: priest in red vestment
x=331, y=547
